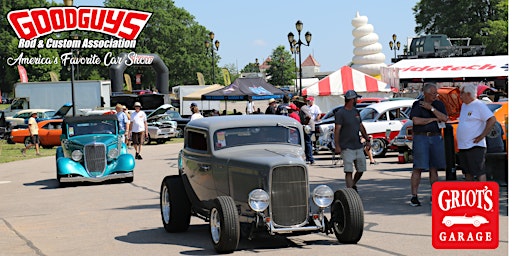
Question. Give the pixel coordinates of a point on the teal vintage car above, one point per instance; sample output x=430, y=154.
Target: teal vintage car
x=92, y=150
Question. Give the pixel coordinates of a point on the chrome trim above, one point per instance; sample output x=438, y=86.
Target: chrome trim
x=99, y=179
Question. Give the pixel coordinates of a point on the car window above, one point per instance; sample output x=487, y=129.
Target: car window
x=100, y=127
x=197, y=140
x=383, y=117
x=48, y=114
x=368, y=114
x=23, y=115
x=234, y=137
x=173, y=114
x=52, y=126
x=494, y=107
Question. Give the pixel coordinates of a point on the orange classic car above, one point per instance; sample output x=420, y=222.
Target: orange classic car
x=49, y=133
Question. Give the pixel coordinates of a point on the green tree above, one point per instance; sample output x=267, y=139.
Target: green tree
x=251, y=67
x=282, y=67
x=484, y=21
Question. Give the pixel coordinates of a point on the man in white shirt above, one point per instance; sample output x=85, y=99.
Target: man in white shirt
x=195, y=112
x=475, y=122
x=313, y=108
x=138, y=128
x=250, y=107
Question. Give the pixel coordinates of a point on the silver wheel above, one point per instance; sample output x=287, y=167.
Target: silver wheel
x=215, y=228
x=166, y=205
x=379, y=147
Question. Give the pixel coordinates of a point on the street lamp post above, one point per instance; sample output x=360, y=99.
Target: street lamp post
x=298, y=26
x=394, y=45
x=70, y=3
x=214, y=47
x=295, y=49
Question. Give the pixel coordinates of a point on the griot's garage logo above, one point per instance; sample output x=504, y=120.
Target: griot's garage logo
x=465, y=215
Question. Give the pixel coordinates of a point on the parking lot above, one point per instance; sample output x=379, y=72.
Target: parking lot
x=38, y=218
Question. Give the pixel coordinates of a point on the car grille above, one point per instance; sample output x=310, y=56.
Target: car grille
x=95, y=158
x=289, y=196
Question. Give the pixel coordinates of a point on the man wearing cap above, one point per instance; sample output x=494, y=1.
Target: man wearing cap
x=272, y=107
x=309, y=126
x=138, y=128
x=347, y=141
x=313, y=108
x=195, y=112
x=34, y=134
x=250, y=109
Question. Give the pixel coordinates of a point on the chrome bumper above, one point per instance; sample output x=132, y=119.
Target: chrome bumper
x=98, y=179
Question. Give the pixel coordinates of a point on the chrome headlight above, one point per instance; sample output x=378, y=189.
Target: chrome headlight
x=113, y=153
x=258, y=200
x=323, y=196
x=77, y=155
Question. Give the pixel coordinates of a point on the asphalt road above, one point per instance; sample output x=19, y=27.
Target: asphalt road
x=38, y=218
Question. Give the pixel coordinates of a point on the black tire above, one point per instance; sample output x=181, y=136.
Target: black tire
x=179, y=132
x=27, y=141
x=128, y=180
x=224, y=225
x=47, y=147
x=347, y=216
x=160, y=141
x=379, y=148
x=175, y=207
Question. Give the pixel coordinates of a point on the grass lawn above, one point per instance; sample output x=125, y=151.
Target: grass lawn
x=11, y=152
x=4, y=106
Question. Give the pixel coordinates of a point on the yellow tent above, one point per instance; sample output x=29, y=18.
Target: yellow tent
x=197, y=94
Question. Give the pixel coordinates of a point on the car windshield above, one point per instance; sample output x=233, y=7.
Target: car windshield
x=50, y=113
x=173, y=114
x=234, y=137
x=368, y=114
x=96, y=127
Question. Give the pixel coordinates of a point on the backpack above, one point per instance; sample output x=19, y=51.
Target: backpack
x=304, y=118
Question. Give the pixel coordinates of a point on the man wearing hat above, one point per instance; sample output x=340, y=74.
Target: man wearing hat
x=307, y=121
x=313, y=108
x=138, y=128
x=347, y=141
x=195, y=112
x=272, y=107
x=34, y=134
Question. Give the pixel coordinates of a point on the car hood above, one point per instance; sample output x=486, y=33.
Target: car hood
x=99, y=138
x=269, y=156
x=160, y=110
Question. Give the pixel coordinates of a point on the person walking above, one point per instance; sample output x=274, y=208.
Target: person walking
x=272, y=107
x=138, y=129
x=34, y=135
x=475, y=122
x=281, y=109
x=427, y=115
x=127, y=139
x=313, y=108
x=123, y=120
x=249, y=109
x=195, y=112
x=306, y=119
x=347, y=126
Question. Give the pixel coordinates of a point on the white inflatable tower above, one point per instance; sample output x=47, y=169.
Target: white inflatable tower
x=368, y=56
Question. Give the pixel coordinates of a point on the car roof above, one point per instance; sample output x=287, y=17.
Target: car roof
x=35, y=110
x=224, y=122
x=78, y=119
x=383, y=106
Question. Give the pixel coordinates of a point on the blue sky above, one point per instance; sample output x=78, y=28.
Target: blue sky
x=253, y=29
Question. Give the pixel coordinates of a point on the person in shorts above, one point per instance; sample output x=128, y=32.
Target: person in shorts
x=34, y=134
x=475, y=122
x=138, y=128
x=347, y=125
x=428, y=145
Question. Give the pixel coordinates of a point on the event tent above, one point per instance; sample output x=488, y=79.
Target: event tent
x=329, y=90
x=243, y=88
x=197, y=94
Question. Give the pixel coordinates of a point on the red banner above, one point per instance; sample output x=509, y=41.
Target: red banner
x=23, y=74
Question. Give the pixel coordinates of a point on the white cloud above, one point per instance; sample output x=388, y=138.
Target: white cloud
x=259, y=42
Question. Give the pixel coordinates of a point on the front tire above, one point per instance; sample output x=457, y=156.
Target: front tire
x=224, y=225
x=175, y=207
x=347, y=216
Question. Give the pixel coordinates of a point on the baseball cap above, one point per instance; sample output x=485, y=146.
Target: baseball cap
x=193, y=104
x=137, y=104
x=292, y=107
x=272, y=100
x=310, y=98
x=351, y=94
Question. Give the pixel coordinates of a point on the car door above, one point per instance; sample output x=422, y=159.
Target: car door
x=396, y=119
x=49, y=134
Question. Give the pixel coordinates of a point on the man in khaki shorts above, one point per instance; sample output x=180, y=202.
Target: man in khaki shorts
x=347, y=140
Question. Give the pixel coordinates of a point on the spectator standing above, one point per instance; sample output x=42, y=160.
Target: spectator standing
x=195, y=112
x=293, y=111
x=313, y=108
x=427, y=116
x=281, y=109
x=475, y=122
x=308, y=123
x=124, y=122
x=249, y=109
x=272, y=107
x=127, y=139
x=347, y=126
x=138, y=128
x=34, y=134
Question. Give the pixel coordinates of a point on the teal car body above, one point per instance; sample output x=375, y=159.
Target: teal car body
x=93, y=150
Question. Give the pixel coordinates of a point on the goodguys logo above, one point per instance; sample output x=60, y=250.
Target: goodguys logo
x=465, y=215
x=29, y=24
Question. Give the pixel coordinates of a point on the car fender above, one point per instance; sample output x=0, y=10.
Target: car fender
x=125, y=162
x=67, y=166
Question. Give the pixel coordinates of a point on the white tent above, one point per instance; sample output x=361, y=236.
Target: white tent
x=329, y=91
